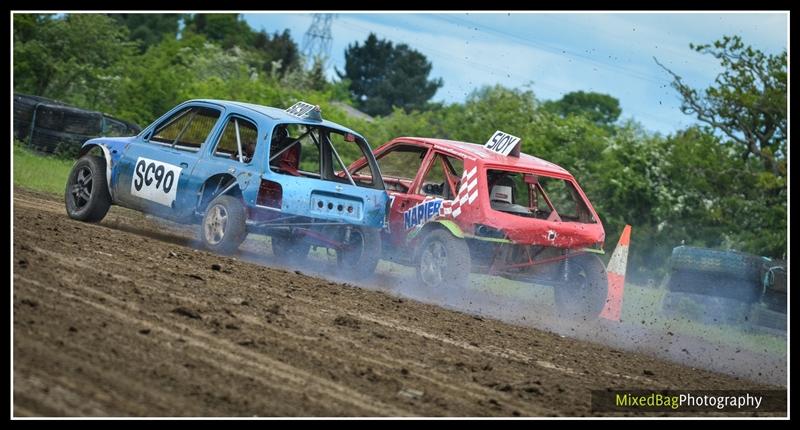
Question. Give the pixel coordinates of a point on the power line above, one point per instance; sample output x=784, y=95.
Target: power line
x=481, y=66
x=491, y=69
x=555, y=50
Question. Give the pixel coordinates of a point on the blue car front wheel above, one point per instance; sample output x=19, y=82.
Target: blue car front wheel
x=86, y=196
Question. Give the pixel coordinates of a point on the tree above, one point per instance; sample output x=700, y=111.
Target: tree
x=711, y=197
x=78, y=58
x=26, y=26
x=601, y=109
x=299, y=78
x=748, y=104
x=383, y=75
x=149, y=28
x=316, y=76
x=277, y=54
x=228, y=29
x=279, y=48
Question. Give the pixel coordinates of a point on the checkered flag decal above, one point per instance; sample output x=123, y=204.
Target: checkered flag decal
x=467, y=193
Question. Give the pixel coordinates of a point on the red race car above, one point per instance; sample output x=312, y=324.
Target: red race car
x=459, y=207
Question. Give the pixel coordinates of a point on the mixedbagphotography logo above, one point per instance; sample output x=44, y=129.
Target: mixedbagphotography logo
x=689, y=400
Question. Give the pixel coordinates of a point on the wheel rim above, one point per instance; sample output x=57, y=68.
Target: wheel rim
x=578, y=282
x=81, y=188
x=216, y=222
x=433, y=263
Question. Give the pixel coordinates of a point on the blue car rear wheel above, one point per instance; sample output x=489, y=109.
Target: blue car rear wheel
x=223, y=228
x=360, y=254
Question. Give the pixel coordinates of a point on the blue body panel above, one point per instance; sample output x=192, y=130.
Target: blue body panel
x=302, y=196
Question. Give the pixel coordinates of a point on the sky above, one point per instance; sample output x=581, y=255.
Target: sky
x=555, y=53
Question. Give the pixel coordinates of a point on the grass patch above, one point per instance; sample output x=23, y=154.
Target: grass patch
x=639, y=304
x=644, y=304
x=39, y=172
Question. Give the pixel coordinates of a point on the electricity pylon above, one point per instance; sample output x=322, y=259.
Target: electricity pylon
x=317, y=40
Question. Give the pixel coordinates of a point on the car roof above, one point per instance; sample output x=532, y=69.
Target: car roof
x=478, y=152
x=275, y=114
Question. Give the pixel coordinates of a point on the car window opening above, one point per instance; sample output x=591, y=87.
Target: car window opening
x=237, y=141
x=286, y=148
x=438, y=180
x=399, y=166
x=535, y=196
x=187, y=129
x=339, y=160
x=321, y=153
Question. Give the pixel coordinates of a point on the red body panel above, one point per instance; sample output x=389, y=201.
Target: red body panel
x=471, y=207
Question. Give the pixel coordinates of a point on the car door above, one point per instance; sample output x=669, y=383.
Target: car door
x=400, y=167
x=156, y=171
x=231, y=151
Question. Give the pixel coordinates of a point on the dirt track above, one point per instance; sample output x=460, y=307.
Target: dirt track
x=125, y=319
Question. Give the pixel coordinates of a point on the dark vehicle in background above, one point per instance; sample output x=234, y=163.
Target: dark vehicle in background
x=727, y=287
x=52, y=126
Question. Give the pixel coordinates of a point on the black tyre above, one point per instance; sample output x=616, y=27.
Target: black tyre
x=289, y=249
x=714, y=284
x=223, y=228
x=583, y=294
x=774, y=276
x=443, y=260
x=361, y=253
x=775, y=301
x=86, y=196
x=761, y=318
x=731, y=263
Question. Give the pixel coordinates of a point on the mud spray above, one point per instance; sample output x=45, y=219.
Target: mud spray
x=643, y=328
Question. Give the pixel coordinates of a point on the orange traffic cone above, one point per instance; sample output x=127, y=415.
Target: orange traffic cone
x=616, y=277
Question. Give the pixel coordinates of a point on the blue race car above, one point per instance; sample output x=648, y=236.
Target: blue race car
x=238, y=168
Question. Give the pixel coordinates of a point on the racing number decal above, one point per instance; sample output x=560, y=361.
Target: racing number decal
x=388, y=223
x=143, y=176
x=503, y=143
x=155, y=181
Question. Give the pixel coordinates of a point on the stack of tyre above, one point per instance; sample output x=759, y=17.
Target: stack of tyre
x=51, y=126
x=770, y=313
x=725, y=287
x=23, y=113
